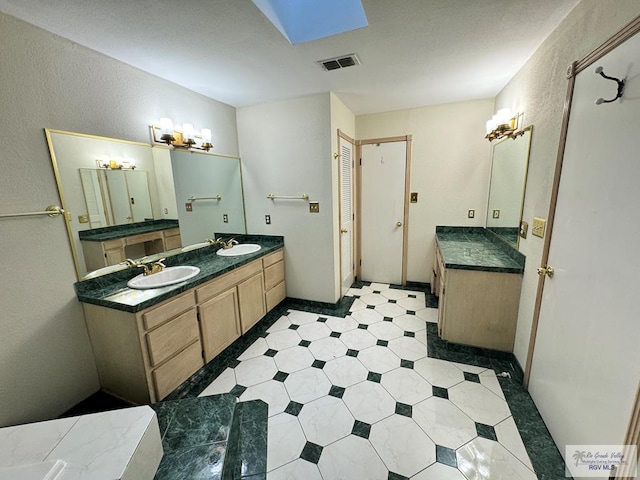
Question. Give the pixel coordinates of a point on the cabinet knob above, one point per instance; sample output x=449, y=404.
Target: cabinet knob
x=399, y=224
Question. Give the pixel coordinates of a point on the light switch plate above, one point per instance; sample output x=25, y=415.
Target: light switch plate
x=538, y=227
x=471, y=214
x=524, y=228
x=496, y=214
x=414, y=197
x=314, y=207
x=83, y=218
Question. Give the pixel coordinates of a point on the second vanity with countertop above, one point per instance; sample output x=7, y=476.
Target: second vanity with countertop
x=148, y=342
x=477, y=277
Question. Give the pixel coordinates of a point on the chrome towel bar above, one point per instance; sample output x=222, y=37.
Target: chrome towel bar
x=304, y=196
x=193, y=199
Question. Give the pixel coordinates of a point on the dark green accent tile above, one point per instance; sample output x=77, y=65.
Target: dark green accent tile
x=304, y=343
x=404, y=409
x=413, y=296
x=392, y=301
x=361, y=429
x=201, y=462
x=271, y=352
x=486, y=431
x=311, y=453
x=396, y=476
x=440, y=392
x=446, y=456
x=406, y=363
x=387, y=319
x=234, y=363
x=293, y=408
x=335, y=334
x=336, y=391
x=293, y=327
x=371, y=307
x=280, y=376
x=251, y=457
x=362, y=326
x=352, y=353
x=238, y=390
x=318, y=364
x=322, y=319
x=472, y=377
x=374, y=377
x=410, y=334
x=411, y=312
x=264, y=334
x=382, y=343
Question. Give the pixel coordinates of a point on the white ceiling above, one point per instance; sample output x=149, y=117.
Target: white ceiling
x=413, y=53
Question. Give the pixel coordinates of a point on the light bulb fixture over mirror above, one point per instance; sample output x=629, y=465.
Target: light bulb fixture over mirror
x=503, y=124
x=185, y=137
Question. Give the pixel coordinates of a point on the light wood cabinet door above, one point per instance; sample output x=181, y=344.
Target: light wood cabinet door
x=114, y=256
x=251, y=300
x=219, y=322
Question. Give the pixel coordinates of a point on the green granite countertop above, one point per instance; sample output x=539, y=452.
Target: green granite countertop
x=120, y=231
x=112, y=291
x=475, y=248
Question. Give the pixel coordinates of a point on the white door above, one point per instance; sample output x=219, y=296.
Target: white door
x=586, y=360
x=346, y=214
x=383, y=172
x=138, y=187
x=118, y=197
x=93, y=197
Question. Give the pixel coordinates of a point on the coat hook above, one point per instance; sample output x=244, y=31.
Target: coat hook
x=620, y=83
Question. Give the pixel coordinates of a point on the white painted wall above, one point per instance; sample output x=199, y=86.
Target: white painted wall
x=539, y=90
x=167, y=203
x=46, y=364
x=449, y=169
x=286, y=150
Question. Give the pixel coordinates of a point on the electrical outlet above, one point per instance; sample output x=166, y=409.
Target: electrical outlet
x=267, y=219
x=471, y=214
x=166, y=211
x=314, y=207
x=538, y=227
x=188, y=206
x=225, y=218
x=524, y=228
x=496, y=214
x=414, y=197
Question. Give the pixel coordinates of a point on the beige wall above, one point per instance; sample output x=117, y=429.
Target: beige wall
x=539, y=90
x=46, y=364
x=449, y=170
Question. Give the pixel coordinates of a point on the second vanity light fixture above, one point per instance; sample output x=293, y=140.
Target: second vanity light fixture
x=116, y=163
x=503, y=124
x=185, y=138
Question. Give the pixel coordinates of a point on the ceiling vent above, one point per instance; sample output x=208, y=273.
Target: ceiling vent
x=343, y=61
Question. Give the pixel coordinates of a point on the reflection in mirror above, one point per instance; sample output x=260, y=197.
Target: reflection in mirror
x=507, y=187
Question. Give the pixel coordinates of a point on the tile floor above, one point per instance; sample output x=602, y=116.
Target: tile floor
x=358, y=398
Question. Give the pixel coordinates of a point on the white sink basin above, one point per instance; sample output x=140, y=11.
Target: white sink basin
x=236, y=250
x=168, y=276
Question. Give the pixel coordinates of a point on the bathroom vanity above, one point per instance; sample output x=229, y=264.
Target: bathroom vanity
x=477, y=277
x=148, y=342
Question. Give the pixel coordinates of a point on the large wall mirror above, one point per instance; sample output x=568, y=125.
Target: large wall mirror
x=97, y=194
x=507, y=188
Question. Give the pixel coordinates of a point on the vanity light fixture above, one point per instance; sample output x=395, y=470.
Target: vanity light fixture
x=117, y=163
x=503, y=124
x=186, y=137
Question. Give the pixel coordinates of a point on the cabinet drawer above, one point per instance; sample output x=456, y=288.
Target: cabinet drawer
x=170, y=232
x=144, y=237
x=275, y=295
x=171, y=337
x=168, y=310
x=177, y=370
x=227, y=281
x=273, y=275
x=112, y=244
x=174, y=241
x=273, y=258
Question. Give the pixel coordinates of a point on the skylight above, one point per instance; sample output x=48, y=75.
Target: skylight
x=304, y=20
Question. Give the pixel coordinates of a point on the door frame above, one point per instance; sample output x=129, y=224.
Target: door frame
x=338, y=155
x=407, y=185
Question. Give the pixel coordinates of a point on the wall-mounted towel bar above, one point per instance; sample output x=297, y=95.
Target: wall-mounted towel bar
x=304, y=196
x=51, y=210
x=193, y=199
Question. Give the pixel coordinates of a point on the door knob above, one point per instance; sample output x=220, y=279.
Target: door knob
x=399, y=224
x=343, y=230
x=548, y=271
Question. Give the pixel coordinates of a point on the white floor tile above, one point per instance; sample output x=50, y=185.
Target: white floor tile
x=337, y=324
x=369, y=402
x=313, y=331
x=271, y=392
x=428, y=314
x=366, y=316
x=488, y=379
x=480, y=403
x=345, y=371
x=406, y=386
x=410, y=323
x=469, y=368
x=257, y=349
x=385, y=331
x=358, y=339
x=373, y=299
x=439, y=372
x=397, y=439
x=283, y=339
x=327, y=349
x=360, y=291
x=394, y=294
x=390, y=309
x=379, y=286
x=325, y=420
x=445, y=423
x=293, y=359
x=296, y=470
x=307, y=385
x=484, y=459
x=351, y=458
x=379, y=359
x=421, y=336
x=299, y=318
x=357, y=305
x=281, y=324
x=408, y=348
x=438, y=471
x=285, y=440
x=414, y=304
x=223, y=384
x=255, y=370
x=509, y=437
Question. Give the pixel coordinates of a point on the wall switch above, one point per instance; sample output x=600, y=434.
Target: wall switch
x=83, y=218
x=471, y=214
x=524, y=228
x=166, y=211
x=538, y=227
x=496, y=214
x=414, y=197
x=267, y=219
x=314, y=207
x=225, y=218
x=188, y=206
